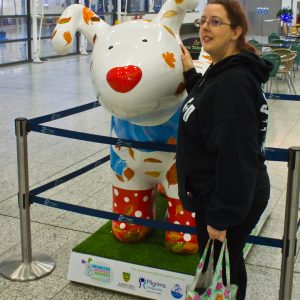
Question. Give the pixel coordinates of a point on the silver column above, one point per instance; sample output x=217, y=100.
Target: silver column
x=290, y=225
x=29, y=266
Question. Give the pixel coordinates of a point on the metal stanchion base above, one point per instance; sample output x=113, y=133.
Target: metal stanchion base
x=14, y=269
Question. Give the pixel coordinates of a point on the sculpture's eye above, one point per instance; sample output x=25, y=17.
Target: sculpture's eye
x=110, y=47
x=145, y=40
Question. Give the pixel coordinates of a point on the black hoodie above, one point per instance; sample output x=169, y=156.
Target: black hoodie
x=220, y=153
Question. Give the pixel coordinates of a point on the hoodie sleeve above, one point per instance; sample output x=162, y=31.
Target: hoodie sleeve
x=235, y=142
x=191, y=78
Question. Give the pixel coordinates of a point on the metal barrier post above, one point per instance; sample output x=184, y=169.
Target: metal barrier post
x=290, y=225
x=29, y=267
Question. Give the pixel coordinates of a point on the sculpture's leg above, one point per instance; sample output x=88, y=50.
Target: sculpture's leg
x=180, y=242
x=136, y=203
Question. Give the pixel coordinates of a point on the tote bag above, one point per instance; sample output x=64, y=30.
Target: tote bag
x=209, y=285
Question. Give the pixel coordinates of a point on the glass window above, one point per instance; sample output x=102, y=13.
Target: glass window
x=14, y=7
x=13, y=52
x=13, y=28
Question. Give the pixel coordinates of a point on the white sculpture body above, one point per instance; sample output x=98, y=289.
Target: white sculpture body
x=137, y=75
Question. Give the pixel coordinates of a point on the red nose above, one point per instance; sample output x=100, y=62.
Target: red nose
x=124, y=79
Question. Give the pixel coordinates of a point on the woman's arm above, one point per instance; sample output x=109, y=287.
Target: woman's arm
x=190, y=75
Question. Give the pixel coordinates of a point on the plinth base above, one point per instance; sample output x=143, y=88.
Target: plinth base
x=15, y=269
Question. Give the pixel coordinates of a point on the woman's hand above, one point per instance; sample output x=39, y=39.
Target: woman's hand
x=186, y=58
x=215, y=234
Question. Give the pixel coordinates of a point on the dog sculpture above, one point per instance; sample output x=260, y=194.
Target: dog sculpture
x=137, y=75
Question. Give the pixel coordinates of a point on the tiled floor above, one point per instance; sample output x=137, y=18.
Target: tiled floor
x=32, y=90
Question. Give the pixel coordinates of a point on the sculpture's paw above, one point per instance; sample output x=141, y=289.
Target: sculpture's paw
x=129, y=233
x=179, y=242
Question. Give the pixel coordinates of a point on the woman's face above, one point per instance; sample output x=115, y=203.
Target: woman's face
x=218, y=38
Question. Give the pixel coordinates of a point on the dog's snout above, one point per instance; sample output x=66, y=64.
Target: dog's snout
x=124, y=79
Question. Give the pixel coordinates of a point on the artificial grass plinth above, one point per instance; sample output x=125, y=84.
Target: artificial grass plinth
x=151, y=252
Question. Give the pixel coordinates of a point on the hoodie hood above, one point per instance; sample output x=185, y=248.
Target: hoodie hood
x=260, y=68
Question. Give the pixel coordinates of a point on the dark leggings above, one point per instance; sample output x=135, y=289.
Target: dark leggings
x=236, y=240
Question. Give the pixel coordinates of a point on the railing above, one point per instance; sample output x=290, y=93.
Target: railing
x=34, y=266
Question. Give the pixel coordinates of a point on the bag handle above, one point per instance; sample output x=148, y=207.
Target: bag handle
x=219, y=268
x=227, y=263
x=201, y=263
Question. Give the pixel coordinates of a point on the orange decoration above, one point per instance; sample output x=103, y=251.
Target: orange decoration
x=131, y=153
x=171, y=141
x=169, y=14
x=94, y=38
x=160, y=189
x=174, y=236
x=180, y=88
x=87, y=15
x=120, y=177
x=169, y=59
x=207, y=57
x=179, y=1
x=64, y=20
x=219, y=297
x=172, y=175
x=53, y=34
x=170, y=30
x=152, y=160
x=179, y=208
x=128, y=173
x=95, y=19
x=128, y=210
x=68, y=37
x=152, y=173
x=190, y=248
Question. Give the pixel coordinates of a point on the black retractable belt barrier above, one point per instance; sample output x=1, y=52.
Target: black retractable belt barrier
x=27, y=197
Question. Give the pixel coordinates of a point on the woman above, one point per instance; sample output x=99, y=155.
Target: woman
x=220, y=156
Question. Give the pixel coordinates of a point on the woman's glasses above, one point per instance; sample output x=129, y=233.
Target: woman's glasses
x=214, y=22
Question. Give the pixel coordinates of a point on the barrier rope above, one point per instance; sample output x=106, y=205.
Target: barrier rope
x=282, y=97
x=272, y=154
x=68, y=177
x=94, y=104
x=64, y=113
x=265, y=241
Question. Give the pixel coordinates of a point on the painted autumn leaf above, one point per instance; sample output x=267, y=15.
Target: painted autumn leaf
x=152, y=160
x=169, y=59
x=174, y=236
x=128, y=173
x=95, y=19
x=169, y=14
x=131, y=153
x=172, y=140
x=207, y=57
x=180, y=88
x=170, y=31
x=153, y=173
x=119, y=177
x=128, y=210
x=87, y=15
x=94, y=38
x=64, y=20
x=68, y=37
x=179, y=209
x=172, y=175
x=53, y=34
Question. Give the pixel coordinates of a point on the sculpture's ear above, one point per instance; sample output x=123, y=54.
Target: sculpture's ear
x=76, y=17
x=172, y=13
